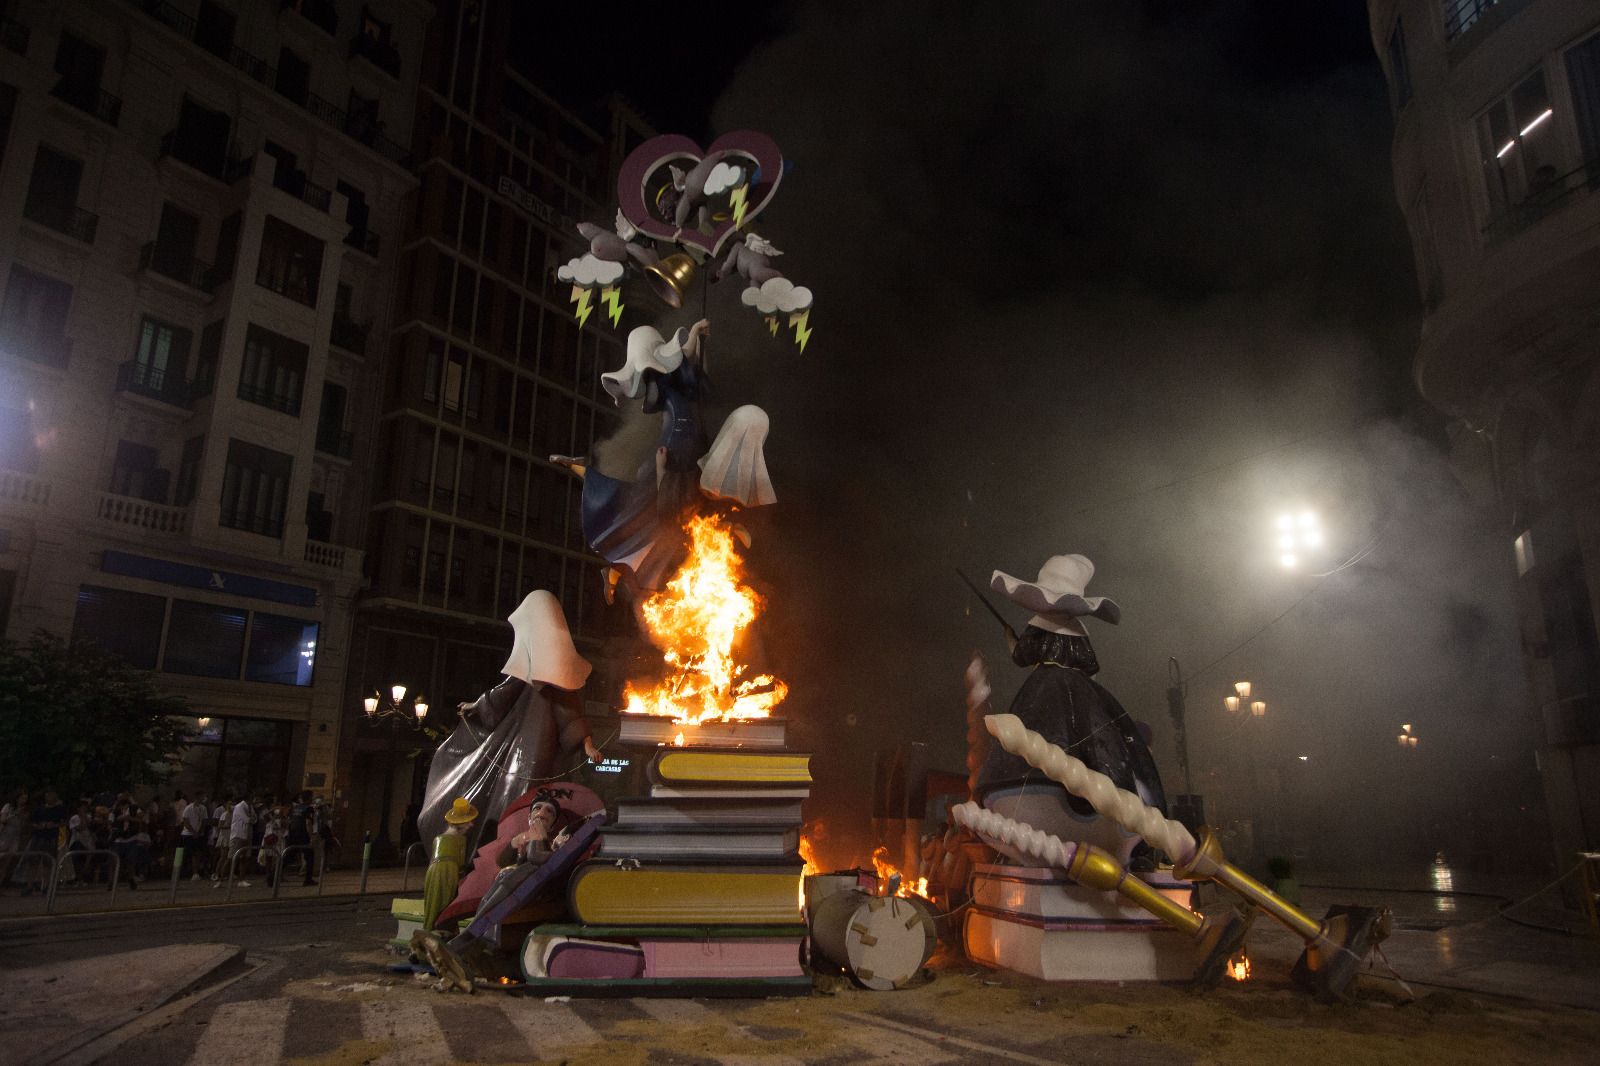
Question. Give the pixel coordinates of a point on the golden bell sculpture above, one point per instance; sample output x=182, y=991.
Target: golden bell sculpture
x=671, y=277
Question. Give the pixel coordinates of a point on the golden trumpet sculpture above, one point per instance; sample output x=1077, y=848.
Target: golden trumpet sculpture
x=1332, y=953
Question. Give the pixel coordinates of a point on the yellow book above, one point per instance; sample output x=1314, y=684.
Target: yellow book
x=603, y=893
x=712, y=766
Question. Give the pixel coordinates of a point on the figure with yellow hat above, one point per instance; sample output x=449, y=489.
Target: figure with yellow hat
x=449, y=853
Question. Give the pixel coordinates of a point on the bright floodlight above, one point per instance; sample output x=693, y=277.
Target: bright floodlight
x=1307, y=519
x=1286, y=542
x=1313, y=538
x=1285, y=522
x=1242, y=688
x=1288, y=561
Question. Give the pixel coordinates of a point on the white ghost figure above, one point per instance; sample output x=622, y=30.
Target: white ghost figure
x=736, y=468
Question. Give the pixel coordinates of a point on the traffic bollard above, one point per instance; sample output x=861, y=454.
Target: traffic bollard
x=366, y=861
x=177, y=868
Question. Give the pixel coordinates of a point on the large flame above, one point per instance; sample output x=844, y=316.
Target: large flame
x=808, y=855
x=886, y=869
x=696, y=621
x=1239, y=967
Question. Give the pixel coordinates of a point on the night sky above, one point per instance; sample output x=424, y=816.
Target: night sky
x=1124, y=280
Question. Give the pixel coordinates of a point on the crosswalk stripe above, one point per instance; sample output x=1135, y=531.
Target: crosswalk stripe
x=881, y=1048
x=418, y=1040
x=687, y=1012
x=902, y=1031
x=244, y=1034
x=545, y=1025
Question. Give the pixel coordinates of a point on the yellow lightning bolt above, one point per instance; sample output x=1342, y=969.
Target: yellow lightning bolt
x=580, y=296
x=613, y=301
x=801, y=333
x=737, y=200
x=772, y=325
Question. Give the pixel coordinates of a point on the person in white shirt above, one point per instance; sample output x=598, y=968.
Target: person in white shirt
x=192, y=836
x=219, y=835
x=240, y=819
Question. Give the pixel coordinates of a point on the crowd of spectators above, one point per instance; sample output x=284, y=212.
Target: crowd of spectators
x=245, y=836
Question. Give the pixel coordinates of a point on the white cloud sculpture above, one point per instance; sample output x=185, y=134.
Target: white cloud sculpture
x=777, y=294
x=587, y=270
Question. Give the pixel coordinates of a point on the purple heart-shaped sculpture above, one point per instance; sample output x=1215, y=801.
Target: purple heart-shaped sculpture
x=645, y=183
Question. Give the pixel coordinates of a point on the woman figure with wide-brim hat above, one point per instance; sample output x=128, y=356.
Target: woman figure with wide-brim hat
x=1060, y=700
x=449, y=855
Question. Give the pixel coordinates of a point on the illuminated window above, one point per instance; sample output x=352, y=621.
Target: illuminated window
x=1521, y=150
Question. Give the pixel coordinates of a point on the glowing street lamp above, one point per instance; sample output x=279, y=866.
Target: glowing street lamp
x=1298, y=534
x=1407, y=738
x=377, y=707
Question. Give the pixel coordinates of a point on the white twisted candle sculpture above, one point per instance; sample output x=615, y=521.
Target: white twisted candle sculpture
x=1122, y=807
x=1046, y=848
x=977, y=681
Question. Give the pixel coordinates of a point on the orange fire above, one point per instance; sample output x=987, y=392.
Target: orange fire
x=696, y=621
x=1239, y=967
x=886, y=869
x=808, y=855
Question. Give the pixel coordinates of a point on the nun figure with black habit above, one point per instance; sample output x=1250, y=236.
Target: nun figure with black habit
x=1060, y=700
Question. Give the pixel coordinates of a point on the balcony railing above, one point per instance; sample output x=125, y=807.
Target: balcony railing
x=90, y=99
x=320, y=13
x=289, y=405
x=263, y=72
x=193, y=151
x=142, y=514
x=1462, y=15
x=24, y=488
x=381, y=54
x=65, y=218
x=295, y=184
x=349, y=334
x=14, y=35
x=266, y=525
x=329, y=555
x=158, y=383
x=185, y=269
x=359, y=127
x=339, y=443
x=297, y=289
x=1549, y=198
x=363, y=240
x=49, y=349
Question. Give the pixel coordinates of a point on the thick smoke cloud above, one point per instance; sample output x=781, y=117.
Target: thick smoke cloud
x=1086, y=281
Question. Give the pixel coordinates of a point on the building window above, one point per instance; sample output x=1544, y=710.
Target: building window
x=160, y=359
x=1462, y=15
x=291, y=262
x=294, y=76
x=274, y=370
x=52, y=199
x=1583, y=76
x=200, y=139
x=283, y=651
x=213, y=30
x=79, y=68
x=255, y=487
x=189, y=471
x=33, y=319
x=1521, y=148
x=126, y=624
x=134, y=473
x=1399, y=66
x=204, y=640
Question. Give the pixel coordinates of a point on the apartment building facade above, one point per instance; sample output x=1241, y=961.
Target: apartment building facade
x=1497, y=169
x=486, y=373
x=200, y=210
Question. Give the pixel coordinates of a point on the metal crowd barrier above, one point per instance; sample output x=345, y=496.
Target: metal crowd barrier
x=310, y=850
x=55, y=874
x=47, y=857
x=405, y=870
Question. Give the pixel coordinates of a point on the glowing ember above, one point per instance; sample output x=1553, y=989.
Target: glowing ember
x=696, y=621
x=886, y=870
x=1239, y=967
x=677, y=741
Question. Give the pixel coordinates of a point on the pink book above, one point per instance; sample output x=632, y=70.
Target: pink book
x=755, y=957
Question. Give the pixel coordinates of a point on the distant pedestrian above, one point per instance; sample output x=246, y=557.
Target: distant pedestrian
x=13, y=819
x=221, y=813
x=241, y=823
x=49, y=818
x=300, y=831
x=192, y=837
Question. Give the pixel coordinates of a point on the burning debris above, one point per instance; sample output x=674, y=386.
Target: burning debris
x=697, y=621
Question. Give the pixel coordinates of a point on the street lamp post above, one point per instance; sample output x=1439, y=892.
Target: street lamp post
x=392, y=708
x=1235, y=704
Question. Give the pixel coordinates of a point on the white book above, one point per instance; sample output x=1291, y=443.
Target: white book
x=1046, y=896
x=1134, y=952
x=758, y=733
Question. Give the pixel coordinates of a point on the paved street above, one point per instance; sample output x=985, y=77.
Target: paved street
x=311, y=987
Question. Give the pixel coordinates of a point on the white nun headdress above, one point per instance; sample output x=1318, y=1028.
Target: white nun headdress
x=1057, y=598
x=736, y=468
x=542, y=651
x=647, y=350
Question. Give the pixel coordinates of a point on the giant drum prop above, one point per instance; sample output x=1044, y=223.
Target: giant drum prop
x=882, y=941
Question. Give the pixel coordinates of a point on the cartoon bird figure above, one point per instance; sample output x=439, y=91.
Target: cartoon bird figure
x=711, y=176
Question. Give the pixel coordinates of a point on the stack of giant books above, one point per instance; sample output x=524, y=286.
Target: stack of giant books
x=1037, y=921
x=695, y=888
